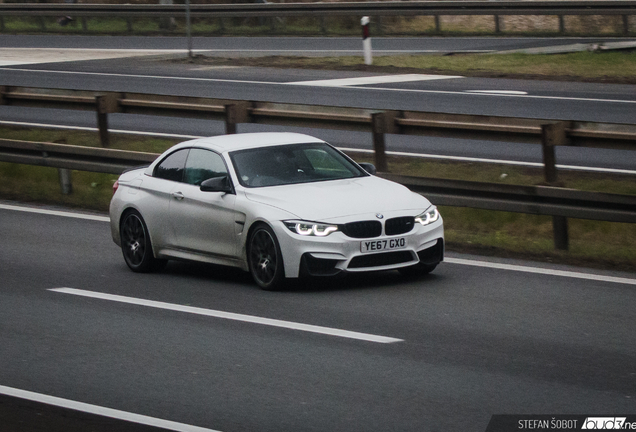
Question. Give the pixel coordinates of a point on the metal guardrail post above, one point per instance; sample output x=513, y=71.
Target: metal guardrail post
x=561, y=24
x=102, y=121
x=560, y=233
x=66, y=182
x=625, y=25
x=104, y=104
x=553, y=135
x=497, y=24
x=378, y=127
x=235, y=113
x=382, y=123
x=438, y=24
x=230, y=119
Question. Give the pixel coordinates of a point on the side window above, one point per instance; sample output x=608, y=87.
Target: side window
x=202, y=165
x=172, y=167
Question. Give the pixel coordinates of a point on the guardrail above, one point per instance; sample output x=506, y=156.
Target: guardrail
x=560, y=8
x=545, y=200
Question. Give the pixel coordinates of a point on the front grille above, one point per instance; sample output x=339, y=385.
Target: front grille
x=381, y=259
x=399, y=225
x=362, y=229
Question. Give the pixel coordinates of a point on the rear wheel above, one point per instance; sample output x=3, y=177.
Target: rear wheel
x=136, y=246
x=265, y=259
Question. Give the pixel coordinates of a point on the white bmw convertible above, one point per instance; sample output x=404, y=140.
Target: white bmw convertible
x=279, y=205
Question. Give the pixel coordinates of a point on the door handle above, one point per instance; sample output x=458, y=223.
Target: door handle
x=177, y=195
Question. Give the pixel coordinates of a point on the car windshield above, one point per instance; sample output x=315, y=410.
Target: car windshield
x=291, y=164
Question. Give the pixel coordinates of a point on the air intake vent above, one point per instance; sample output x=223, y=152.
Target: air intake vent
x=381, y=259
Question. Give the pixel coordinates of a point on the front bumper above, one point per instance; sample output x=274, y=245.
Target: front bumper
x=336, y=253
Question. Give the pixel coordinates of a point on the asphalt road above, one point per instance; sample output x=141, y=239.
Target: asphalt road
x=472, y=341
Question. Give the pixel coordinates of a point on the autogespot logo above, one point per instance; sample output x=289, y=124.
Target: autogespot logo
x=607, y=423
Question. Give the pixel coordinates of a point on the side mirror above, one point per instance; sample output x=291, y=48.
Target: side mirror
x=368, y=167
x=217, y=184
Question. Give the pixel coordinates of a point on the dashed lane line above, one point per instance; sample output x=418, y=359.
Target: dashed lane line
x=377, y=79
x=55, y=213
x=231, y=316
x=101, y=411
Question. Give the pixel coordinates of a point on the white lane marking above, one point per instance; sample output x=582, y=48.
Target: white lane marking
x=498, y=92
x=231, y=316
x=24, y=56
x=307, y=53
x=92, y=129
x=55, y=213
x=380, y=79
x=539, y=270
x=143, y=76
x=101, y=411
x=394, y=153
x=526, y=96
x=442, y=92
x=494, y=161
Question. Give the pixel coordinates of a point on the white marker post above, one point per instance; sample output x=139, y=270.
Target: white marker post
x=366, y=40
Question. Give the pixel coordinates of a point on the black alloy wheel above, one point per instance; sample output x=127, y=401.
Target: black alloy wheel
x=136, y=246
x=265, y=259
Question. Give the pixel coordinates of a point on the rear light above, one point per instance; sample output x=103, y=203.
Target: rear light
x=115, y=186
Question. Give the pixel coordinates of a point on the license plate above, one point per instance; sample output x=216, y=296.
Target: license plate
x=367, y=246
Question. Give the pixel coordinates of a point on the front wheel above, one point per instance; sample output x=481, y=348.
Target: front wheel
x=136, y=246
x=265, y=259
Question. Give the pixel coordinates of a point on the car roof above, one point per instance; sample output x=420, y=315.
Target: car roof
x=223, y=143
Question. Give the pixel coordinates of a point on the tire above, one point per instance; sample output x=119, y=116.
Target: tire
x=416, y=270
x=136, y=246
x=265, y=259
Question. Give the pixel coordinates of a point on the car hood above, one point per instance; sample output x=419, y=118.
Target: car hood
x=328, y=200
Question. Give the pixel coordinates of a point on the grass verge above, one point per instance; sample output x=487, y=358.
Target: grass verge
x=614, y=67
x=592, y=243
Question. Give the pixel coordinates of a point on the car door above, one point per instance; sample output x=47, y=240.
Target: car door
x=155, y=205
x=203, y=222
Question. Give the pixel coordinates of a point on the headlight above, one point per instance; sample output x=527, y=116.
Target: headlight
x=428, y=217
x=310, y=228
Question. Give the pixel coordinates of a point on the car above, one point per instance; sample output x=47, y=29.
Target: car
x=278, y=205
